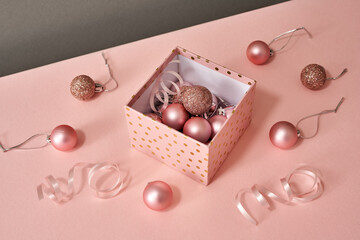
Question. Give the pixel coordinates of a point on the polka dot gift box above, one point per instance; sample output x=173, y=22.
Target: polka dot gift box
x=198, y=160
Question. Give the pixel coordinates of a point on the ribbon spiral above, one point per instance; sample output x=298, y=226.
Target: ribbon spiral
x=162, y=92
x=294, y=197
x=54, y=193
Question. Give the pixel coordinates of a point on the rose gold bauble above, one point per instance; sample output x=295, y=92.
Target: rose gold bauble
x=196, y=99
x=157, y=195
x=258, y=52
x=82, y=87
x=313, y=76
x=175, y=116
x=283, y=135
x=198, y=128
x=63, y=138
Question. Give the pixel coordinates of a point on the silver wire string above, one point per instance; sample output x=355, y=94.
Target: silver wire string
x=111, y=76
x=292, y=33
x=19, y=145
x=318, y=117
x=338, y=76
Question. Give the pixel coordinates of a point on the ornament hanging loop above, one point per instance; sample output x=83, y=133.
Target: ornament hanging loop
x=338, y=76
x=291, y=32
x=20, y=144
x=318, y=117
x=101, y=87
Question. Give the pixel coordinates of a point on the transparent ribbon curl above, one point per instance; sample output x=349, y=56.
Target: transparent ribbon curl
x=161, y=92
x=294, y=197
x=54, y=193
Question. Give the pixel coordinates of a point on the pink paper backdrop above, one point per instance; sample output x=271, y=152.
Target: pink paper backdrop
x=39, y=99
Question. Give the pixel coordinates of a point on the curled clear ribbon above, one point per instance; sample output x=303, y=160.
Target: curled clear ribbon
x=294, y=197
x=161, y=92
x=54, y=193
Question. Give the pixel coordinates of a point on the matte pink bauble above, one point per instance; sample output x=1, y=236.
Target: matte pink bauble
x=258, y=52
x=198, y=128
x=216, y=123
x=63, y=138
x=283, y=135
x=175, y=116
x=154, y=117
x=157, y=195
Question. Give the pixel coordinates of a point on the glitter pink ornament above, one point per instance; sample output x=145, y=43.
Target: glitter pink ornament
x=84, y=88
x=259, y=52
x=157, y=195
x=197, y=99
x=175, y=116
x=313, y=76
x=198, y=128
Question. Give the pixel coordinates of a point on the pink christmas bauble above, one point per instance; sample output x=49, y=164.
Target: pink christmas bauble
x=258, y=52
x=283, y=135
x=216, y=123
x=198, y=128
x=157, y=195
x=175, y=116
x=63, y=138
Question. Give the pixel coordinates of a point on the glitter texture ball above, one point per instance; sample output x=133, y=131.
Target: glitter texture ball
x=196, y=99
x=313, y=76
x=82, y=87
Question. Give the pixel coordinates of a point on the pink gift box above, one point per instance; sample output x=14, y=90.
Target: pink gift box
x=195, y=159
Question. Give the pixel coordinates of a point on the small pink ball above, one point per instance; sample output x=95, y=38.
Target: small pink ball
x=157, y=195
x=63, y=138
x=175, y=116
x=216, y=123
x=283, y=135
x=198, y=128
x=258, y=52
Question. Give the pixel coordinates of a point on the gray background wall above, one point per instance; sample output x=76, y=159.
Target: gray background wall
x=37, y=32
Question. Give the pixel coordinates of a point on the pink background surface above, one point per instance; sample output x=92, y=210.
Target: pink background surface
x=39, y=99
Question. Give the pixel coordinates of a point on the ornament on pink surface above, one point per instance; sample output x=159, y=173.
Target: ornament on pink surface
x=216, y=123
x=313, y=76
x=84, y=88
x=198, y=128
x=63, y=138
x=154, y=117
x=158, y=195
x=175, y=116
x=259, y=52
x=284, y=134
